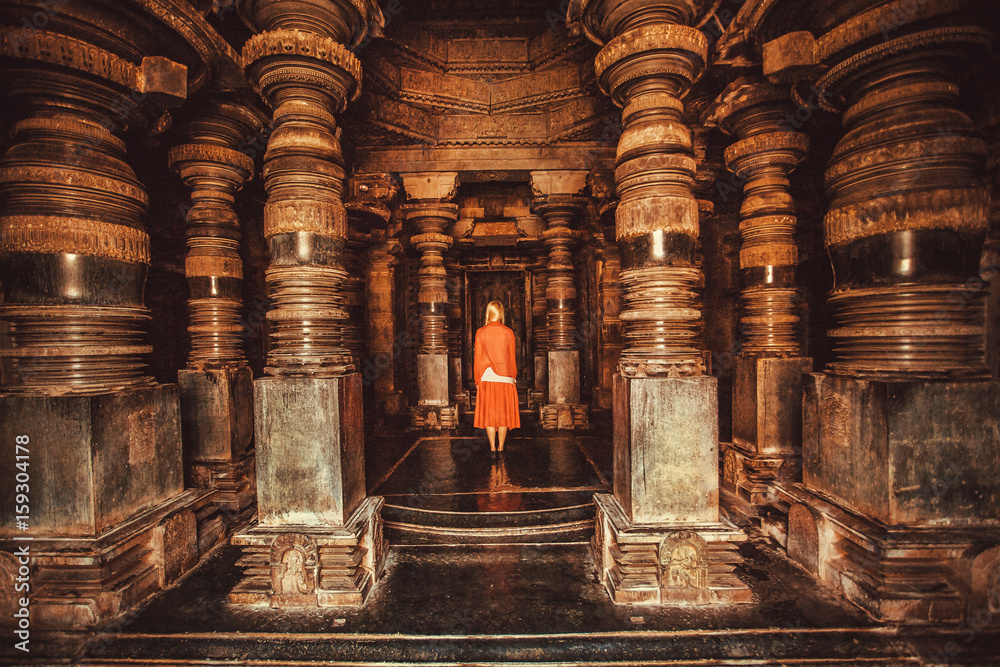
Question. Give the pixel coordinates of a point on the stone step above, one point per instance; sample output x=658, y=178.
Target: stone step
x=857, y=647
x=572, y=522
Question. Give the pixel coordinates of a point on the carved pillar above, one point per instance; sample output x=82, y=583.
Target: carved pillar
x=557, y=200
x=431, y=215
x=539, y=321
x=767, y=386
x=666, y=426
x=456, y=296
x=110, y=522
x=319, y=540
x=368, y=210
x=894, y=433
x=216, y=390
x=385, y=344
x=611, y=324
x=602, y=189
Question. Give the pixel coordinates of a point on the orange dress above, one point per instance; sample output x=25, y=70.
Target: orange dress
x=496, y=402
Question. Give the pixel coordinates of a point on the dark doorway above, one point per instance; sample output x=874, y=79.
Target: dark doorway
x=507, y=287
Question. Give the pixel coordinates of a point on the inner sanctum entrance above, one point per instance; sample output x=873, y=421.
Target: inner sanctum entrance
x=748, y=250
x=512, y=289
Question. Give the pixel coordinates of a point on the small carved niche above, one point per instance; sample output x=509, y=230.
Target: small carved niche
x=293, y=571
x=683, y=568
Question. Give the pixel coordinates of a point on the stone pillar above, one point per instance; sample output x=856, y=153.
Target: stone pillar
x=901, y=470
x=431, y=215
x=666, y=495
x=456, y=294
x=317, y=541
x=602, y=189
x=557, y=200
x=611, y=324
x=368, y=210
x=216, y=390
x=767, y=385
x=538, y=395
x=98, y=441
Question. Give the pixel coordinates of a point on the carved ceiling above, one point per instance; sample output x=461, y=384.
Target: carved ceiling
x=459, y=73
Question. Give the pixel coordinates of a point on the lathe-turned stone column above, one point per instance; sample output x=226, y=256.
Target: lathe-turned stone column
x=459, y=396
x=430, y=214
x=216, y=390
x=611, y=324
x=368, y=211
x=659, y=538
x=894, y=431
x=557, y=200
x=108, y=521
x=385, y=344
x=318, y=540
x=601, y=182
x=767, y=385
x=539, y=268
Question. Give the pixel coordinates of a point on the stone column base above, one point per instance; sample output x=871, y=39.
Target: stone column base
x=748, y=478
x=537, y=399
x=78, y=583
x=312, y=566
x=434, y=417
x=666, y=564
x=462, y=401
x=564, y=417
x=235, y=485
x=898, y=574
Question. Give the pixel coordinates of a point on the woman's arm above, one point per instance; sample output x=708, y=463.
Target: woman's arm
x=479, y=360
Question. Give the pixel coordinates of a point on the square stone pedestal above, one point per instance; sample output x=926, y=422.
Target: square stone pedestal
x=109, y=519
x=310, y=450
x=313, y=566
x=563, y=409
x=900, y=497
x=538, y=394
x=433, y=410
x=659, y=539
x=317, y=540
x=217, y=405
x=767, y=430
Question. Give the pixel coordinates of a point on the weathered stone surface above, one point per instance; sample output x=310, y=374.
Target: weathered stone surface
x=95, y=461
x=767, y=404
x=217, y=405
x=310, y=450
x=432, y=379
x=564, y=376
x=916, y=453
x=666, y=449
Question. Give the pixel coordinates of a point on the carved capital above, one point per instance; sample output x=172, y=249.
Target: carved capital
x=431, y=185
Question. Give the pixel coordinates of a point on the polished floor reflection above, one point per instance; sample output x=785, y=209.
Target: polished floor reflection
x=447, y=488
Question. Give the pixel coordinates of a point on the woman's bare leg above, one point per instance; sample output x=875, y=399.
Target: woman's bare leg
x=503, y=436
x=491, y=434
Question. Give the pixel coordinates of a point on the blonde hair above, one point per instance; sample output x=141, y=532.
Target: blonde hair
x=494, y=312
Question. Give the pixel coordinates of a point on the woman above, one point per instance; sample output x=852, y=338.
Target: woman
x=496, y=395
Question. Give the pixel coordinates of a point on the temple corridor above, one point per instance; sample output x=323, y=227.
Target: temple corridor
x=747, y=250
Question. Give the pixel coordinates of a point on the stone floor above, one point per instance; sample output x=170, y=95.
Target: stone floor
x=505, y=603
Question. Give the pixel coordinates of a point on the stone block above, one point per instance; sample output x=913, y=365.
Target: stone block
x=542, y=373
x=217, y=405
x=432, y=379
x=767, y=404
x=94, y=461
x=666, y=449
x=564, y=376
x=914, y=453
x=310, y=450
